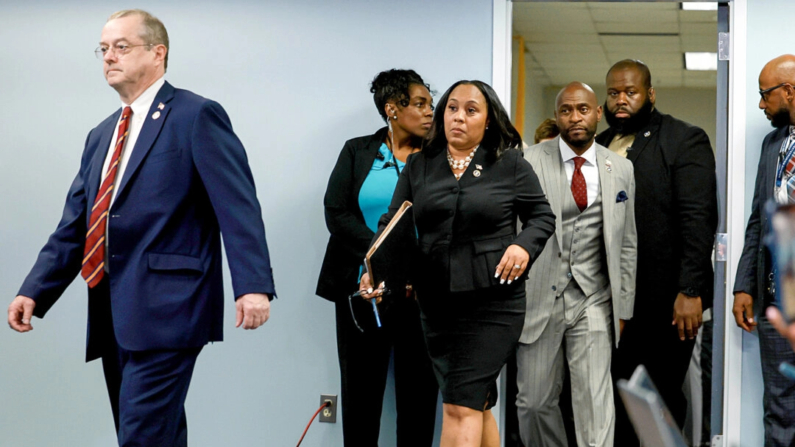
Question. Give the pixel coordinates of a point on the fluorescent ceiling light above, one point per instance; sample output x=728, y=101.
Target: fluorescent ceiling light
x=700, y=6
x=701, y=61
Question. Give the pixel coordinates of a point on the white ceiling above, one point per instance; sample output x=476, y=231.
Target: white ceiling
x=568, y=41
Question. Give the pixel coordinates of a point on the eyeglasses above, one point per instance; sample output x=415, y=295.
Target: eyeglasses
x=119, y=49
x=763, y=93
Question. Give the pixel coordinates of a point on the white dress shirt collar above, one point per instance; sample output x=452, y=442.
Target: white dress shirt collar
x=567, y=153
x=143, y=102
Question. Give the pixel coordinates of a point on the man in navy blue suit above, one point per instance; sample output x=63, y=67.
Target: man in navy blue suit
x=160, y=180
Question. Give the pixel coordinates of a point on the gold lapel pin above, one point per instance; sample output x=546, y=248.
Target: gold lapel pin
x=476, y=173
x=478, y=167
x=161, y=106
x=156, y=115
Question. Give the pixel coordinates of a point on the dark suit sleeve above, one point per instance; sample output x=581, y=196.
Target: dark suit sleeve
x=695, y=194
x=538, y=220
x=746, y=279
x=339, y=203
x=61, y=259
x=222, y=164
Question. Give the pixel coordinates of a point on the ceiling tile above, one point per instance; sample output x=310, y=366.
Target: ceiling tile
x=699, y=16
x=633, y=15
x=699, y=28
x=637, y=27
x=660, y=6
x=556, y=57
x=661, y=43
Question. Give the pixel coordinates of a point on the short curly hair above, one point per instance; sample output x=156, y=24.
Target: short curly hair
x=393, y=85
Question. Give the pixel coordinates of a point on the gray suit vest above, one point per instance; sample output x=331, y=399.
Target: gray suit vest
x=583, y=257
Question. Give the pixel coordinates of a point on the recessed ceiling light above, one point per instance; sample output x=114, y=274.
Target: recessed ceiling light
x=701, y=61
x=700, y=6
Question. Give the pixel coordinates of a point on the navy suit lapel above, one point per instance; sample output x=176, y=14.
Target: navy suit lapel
x=149, y=132
x=98, y=161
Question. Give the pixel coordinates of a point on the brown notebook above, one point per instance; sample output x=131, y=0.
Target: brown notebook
x=388, y=259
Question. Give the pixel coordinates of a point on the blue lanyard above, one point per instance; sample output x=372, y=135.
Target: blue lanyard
x=783, y=165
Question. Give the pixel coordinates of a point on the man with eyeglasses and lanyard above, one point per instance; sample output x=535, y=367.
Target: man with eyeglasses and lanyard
x=754, y=289
x=159, y=181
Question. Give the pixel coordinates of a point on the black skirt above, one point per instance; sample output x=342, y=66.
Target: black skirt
x=470, y=336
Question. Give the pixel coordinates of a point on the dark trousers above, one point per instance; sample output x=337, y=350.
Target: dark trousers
x=706, y=382
x=147, y=391
x=656, y=345
x=364, y=361
x=779, y=397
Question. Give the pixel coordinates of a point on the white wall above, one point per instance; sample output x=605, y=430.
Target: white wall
x=764, y=43
x=293, y=76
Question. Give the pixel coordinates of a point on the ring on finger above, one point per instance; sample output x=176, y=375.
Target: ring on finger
x=517, y=266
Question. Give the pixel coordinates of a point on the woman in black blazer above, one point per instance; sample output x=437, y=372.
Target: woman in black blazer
x=359, y=192
x=469, y=184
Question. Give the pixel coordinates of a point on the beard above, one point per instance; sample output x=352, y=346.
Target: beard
x=631, y=125
x=780, y=119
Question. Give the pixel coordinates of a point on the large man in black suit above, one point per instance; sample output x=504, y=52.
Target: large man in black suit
x=753, y=288
x=676, y=212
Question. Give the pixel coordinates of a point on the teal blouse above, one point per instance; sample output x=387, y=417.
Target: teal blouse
x=377, y=189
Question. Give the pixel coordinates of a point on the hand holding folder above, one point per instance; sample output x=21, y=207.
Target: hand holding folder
x=386, y=264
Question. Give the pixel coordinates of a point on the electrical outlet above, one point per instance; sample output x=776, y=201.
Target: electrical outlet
x=328, y=414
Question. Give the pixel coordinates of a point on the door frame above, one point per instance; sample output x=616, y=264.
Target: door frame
x=727, y=336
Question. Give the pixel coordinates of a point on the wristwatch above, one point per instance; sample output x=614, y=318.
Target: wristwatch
x=690, y=291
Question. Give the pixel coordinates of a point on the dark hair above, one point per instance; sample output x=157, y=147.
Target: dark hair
x=547, y=129
x=636, y=64
x=500, y=135
x=393, y=85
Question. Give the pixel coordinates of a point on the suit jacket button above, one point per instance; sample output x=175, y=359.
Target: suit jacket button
x=554, y=288
x=568, y=275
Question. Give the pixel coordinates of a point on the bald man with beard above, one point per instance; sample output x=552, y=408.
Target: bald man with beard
x=754, y=290
x=581, y=288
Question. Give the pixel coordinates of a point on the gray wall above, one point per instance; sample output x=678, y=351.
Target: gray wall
x=293, y=76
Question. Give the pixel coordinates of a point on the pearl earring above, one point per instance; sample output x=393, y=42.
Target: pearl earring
x=394, y=117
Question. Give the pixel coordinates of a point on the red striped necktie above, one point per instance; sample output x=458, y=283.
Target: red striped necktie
x=94, y=252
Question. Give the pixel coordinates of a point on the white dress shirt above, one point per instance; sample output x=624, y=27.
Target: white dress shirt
x=140, y=108
x=589, y=169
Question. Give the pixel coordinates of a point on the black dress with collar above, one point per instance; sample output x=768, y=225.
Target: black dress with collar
x=472, y=323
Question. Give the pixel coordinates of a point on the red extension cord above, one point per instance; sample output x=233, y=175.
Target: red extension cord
x=325, y=404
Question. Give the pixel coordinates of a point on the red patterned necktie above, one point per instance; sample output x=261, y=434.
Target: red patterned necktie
x=578, y=188
x=94, y=252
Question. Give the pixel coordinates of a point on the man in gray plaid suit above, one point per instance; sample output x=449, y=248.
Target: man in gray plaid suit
x=582, y=287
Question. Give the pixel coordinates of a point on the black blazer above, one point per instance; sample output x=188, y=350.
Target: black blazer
x=465, y=226
x=350, y=236
x=676, y=212
x=755, y=264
